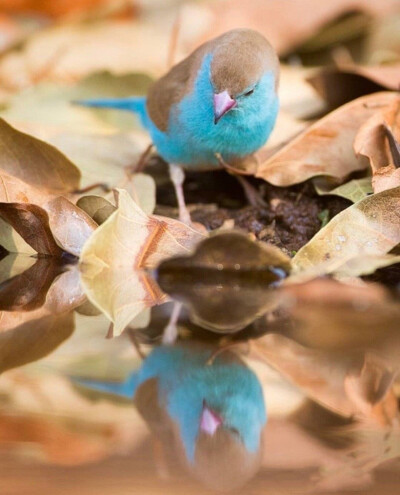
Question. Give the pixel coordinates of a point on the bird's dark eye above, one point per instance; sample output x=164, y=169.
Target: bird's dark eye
x=249, y=92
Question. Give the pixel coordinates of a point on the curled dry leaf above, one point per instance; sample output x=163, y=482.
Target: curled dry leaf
x=113, y=259
x=340, y=85
x=370, y=227
x=32, y=224
x=69, y=224
x=378, y=140
x=59, y=226
x=326, y=147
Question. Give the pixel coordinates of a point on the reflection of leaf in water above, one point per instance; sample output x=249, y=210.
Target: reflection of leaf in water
x=337, y=381
x=114, y=257
x=28, y=290
x=34, y=339
x=227, y=281
x=41, y=303
x=331, y=315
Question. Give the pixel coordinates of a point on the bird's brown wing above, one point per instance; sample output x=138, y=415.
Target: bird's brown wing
x=171, y=88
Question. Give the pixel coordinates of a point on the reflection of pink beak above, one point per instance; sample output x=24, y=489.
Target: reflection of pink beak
x=222, y=104
x=209, y=421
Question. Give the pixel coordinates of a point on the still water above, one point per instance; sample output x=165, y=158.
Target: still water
x=224, y=382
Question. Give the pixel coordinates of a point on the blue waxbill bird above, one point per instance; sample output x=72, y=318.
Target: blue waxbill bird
x=214, y=412
x=219, y=101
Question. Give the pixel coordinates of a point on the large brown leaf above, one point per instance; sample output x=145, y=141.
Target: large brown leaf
x=326, y=147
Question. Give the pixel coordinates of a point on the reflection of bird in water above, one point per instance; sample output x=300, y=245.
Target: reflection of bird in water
x=212, y=414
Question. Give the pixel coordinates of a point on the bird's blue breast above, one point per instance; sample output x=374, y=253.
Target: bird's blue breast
x=192, y=138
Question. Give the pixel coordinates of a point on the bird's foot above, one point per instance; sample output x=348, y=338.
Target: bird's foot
x=178, y=177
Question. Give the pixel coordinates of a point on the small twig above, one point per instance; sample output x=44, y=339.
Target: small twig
x=228, y=167
x=173, y=43
x=224, y=348
x=101, y=185
x=135, y=342
x=110, y=331
x=140, y=165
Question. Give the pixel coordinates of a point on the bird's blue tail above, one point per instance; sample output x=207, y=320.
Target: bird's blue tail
x=126, y=389
x=135, y=104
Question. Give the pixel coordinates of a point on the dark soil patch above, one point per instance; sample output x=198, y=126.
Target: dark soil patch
x=289, y=220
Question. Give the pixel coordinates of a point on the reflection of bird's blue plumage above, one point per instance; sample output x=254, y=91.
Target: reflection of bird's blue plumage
x=185, y=381
x=192, y=139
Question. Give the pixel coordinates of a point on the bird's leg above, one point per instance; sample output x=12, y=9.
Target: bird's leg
x=177, y=177
x=170, y=333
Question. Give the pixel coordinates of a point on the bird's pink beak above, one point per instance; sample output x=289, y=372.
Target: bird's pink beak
x=209, y=421
x=222, y=104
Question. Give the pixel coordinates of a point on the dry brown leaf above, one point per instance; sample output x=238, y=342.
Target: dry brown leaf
x=369, y=227
x=373, y=141
x=326, y=147
x=35, y=162
x=284, y=22
x=339, y=85
x=113, y=259
x=69, y=52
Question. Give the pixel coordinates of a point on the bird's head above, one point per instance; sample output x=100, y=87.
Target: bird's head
x=244, y=72
x=223, y=461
